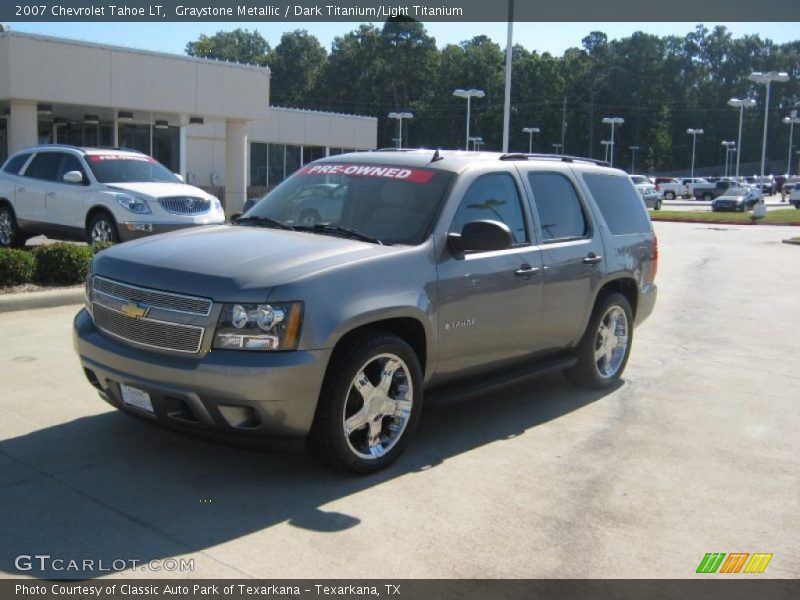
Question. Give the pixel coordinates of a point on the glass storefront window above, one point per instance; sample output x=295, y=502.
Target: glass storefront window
x=258, y=164
x=276, y=164
x=166, y=144
x=292, y=159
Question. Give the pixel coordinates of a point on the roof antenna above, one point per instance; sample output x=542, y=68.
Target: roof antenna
x=436, y=156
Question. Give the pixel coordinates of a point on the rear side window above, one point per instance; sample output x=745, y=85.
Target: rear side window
x=619, y=202
x=493, y=197
x=44, y=166
x=15, y=163
x=559, y=209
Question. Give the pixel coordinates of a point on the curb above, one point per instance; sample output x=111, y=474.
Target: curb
x=45, y=299
x=708, y=222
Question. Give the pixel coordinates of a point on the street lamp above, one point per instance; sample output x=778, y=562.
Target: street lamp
x=766, y=79
x=727, y=153
x=613, y=121
x=557, y=148
x=694, y=133
x=790, y=121
x=530, y=131
x=399, y=117
x=469, y=95
x=741, y=105
x=606, y=143
x=633, y=150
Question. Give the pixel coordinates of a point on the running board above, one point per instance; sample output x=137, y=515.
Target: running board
x=481, y=384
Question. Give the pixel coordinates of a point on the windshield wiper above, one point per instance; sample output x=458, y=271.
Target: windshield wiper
x=265, y=221
x=345, y=231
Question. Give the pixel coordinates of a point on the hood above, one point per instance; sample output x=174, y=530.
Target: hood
x=229, y=263
x=155, y=189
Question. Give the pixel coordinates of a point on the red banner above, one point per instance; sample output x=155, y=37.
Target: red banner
x=383, y=171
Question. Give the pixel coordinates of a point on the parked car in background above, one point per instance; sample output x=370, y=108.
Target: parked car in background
x=669, y=187
x=695, y=186
x=715, y=190
x=96, y=195
x=429, y=279
x=652, y=199
x=767, y=183
x=736, y=199
x=794, y=197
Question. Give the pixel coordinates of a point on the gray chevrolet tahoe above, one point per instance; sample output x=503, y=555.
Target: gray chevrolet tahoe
x=432, y=274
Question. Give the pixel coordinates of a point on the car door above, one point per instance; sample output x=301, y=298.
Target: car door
x=489, y=302
x=572, y=255
x=65, y=202
x=31, y=187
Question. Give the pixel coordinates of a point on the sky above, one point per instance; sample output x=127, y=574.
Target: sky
x=542, y=37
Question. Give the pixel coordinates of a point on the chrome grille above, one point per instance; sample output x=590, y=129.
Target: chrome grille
x=148, y=332
x=153, y=298
x=185, y=205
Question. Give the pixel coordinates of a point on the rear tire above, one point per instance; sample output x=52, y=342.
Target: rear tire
x=606, y=345
x=669, y=196
x=102, y=228
x=369, y=405
x=11, y=235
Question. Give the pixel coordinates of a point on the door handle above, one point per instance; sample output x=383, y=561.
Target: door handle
x=526, y=270
x=20, y=189
x=592, y=258
x=50, y=194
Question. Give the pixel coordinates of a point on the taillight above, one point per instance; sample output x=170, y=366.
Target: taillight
x=655, y=256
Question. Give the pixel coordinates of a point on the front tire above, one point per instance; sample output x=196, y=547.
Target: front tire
x=11, y=235
x=658, y=205
x=370, y=403
x=102, y=229
x=606, y=345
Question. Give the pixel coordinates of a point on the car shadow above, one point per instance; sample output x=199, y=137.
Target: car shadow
x=108, y=487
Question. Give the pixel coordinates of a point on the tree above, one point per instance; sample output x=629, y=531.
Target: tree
x=239, y=45
x=296, y=65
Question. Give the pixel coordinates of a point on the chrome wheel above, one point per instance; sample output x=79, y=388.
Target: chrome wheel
x=102, y=231
x=6, y=228
x=611, y=343
x=378, y=406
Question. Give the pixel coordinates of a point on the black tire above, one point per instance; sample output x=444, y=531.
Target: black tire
x=106, y=221
x=658, y=205
x=586, y=372
x=669, y=195
x=327, y=439
x=310, y=217
x=707, y=196
x=12, y=237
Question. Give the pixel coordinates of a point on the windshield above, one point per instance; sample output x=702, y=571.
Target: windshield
x=122, y=168
x=393, y=204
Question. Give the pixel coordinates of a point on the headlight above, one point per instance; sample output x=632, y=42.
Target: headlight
x=133, y=204
x=216, y=205
x=274, y=326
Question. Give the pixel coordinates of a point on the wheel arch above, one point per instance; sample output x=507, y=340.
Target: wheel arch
x=94, y=211
x=625, y=285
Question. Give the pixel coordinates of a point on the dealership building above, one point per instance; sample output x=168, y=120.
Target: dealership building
x=208, y=120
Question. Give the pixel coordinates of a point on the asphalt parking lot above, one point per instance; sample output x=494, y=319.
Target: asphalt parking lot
x=697, y=451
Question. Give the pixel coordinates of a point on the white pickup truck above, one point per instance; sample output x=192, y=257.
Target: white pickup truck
x=95, y=195
x=669, y=188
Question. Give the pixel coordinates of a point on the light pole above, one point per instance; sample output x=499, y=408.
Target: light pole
x=606, y=143
x=469, y=95
x=530, y=131
x=790, y=121
x=727, y=153
x=557, y=148
x=766, y=79
x=633, y=150
x=613, y=121
x=741, y=104
x=694, y=133
x=399, y=117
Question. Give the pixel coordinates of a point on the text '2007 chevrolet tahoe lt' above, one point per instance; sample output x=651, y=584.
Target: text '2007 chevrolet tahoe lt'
x=425, y=271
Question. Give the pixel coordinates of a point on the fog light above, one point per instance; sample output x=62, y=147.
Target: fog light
x=146, y=227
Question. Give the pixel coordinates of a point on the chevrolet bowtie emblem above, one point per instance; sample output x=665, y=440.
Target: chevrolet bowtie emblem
x=135, y=311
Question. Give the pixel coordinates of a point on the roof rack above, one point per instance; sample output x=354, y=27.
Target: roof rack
x=561, y=157
x=392, y=149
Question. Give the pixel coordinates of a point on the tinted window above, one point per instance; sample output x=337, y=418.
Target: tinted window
x=621, y=206
x=44, y=166
x=559, y=209
x=15, y=163
x=493, y=197
x=69, y=163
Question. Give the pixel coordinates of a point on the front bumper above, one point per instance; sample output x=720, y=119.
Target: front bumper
x=262, y=398
x=134, y=230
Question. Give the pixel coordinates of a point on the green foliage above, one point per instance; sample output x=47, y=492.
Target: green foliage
x=239, y=45
x=63, y=263
x=16, y=267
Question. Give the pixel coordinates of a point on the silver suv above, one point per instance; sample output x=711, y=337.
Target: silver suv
x=430, y=274
x=97, y=195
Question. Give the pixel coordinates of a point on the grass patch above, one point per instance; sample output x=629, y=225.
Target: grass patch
x=774, y=217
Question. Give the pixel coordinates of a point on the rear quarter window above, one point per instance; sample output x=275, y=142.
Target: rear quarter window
x=619, y=203
x=15, y=163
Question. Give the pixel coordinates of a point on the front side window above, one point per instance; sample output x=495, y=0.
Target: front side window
x=44, y=166
x=393, y=204
x=70, y=163
x=493, y=197
x=122, y=168
x=560, y=212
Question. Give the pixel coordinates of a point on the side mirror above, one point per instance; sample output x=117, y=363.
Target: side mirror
x=180, y=177
x=73, y=177
x=481, y=236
